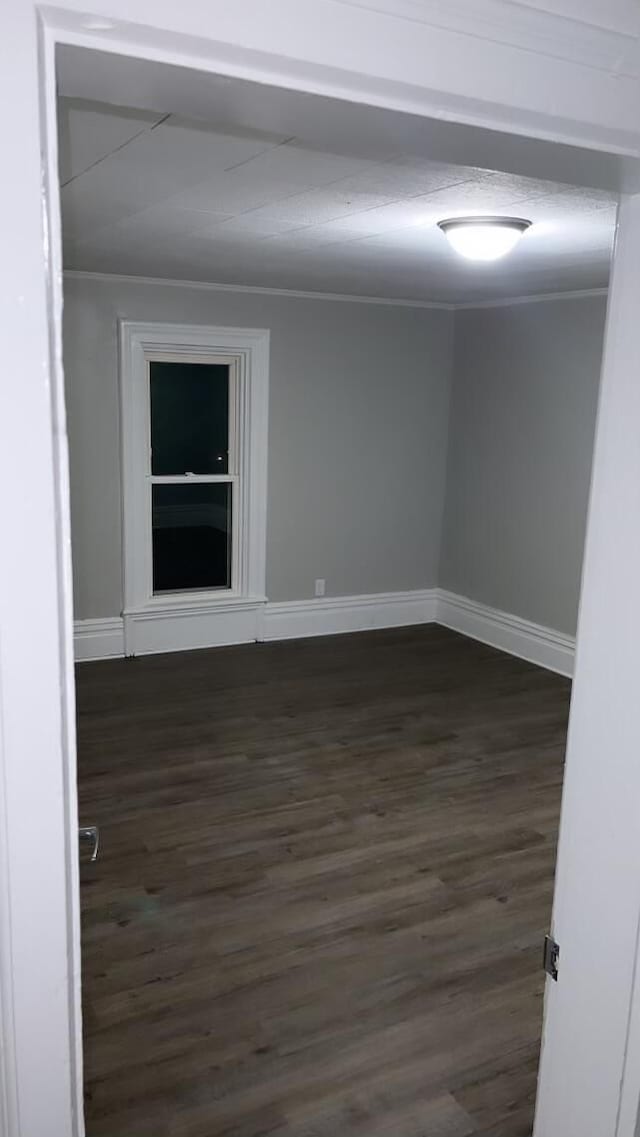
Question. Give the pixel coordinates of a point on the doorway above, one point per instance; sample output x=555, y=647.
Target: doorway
x=401, y=839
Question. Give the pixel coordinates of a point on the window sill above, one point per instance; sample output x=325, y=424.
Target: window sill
x=195, y=604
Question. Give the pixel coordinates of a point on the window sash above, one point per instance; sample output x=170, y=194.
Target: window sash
x=234, y=461
x=196, y=589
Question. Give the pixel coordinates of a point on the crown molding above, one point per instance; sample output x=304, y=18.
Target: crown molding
x=212, y=286
x=534, y=298
x=441, y=306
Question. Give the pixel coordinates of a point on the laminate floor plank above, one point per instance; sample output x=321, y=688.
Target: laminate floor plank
x=325, y=874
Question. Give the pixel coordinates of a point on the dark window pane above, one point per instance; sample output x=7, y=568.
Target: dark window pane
x=191, y=536
x=189, y=418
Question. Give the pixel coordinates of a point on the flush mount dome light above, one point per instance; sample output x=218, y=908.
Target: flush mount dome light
x=483, y=238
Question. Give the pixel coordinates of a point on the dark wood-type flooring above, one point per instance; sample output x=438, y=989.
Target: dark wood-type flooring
x=325, y=875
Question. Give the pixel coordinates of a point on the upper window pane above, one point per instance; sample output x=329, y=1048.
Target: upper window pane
x=189, y=417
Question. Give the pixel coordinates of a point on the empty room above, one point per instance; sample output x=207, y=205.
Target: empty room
x=331, y=392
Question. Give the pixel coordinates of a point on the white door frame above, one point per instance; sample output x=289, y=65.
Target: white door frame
x=599, y=847
x=307, y=47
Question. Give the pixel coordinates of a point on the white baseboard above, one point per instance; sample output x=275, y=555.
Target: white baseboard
x=533, y=642
x=98, y=639
x=191, y=626
x=330, y=615
x=150, y=632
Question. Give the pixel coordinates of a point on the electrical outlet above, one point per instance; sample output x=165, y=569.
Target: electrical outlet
x=320, y=587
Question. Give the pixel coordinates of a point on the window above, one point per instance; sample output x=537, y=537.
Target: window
x=194, y=417
x=193, y=471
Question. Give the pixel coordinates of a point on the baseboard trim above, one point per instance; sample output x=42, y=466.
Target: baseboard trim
x=533, y=642
x=333, y=615
x=151, y=632
x=98, y=639
x=148, y=632
x=191, y=626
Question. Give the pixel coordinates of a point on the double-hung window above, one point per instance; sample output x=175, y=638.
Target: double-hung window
x=193, y=472
x=194, y=448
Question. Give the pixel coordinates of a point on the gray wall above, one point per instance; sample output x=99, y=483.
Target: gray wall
x=522, y=422
x=357, y=435
x=360, y=470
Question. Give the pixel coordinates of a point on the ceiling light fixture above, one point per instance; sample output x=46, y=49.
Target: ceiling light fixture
x=483, y=238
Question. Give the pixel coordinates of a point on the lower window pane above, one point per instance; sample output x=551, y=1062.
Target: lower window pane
x=191, y=536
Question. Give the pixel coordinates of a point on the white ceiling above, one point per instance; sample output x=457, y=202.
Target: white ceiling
x=150, y=193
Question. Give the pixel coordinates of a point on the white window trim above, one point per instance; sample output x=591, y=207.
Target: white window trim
x=175, y=627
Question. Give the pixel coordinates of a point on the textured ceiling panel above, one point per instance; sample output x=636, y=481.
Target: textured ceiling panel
x=155, y=195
